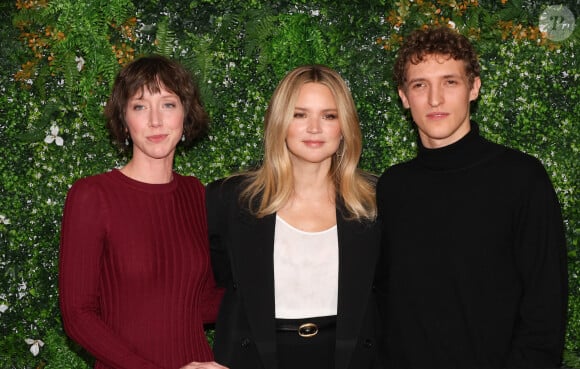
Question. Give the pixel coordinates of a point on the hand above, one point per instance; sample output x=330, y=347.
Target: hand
x=204, y=365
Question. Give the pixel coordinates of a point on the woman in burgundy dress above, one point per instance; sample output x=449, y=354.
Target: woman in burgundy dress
x=135, y=283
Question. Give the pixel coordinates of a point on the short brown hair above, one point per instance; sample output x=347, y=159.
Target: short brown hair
x=155, y=72
x=439, y=41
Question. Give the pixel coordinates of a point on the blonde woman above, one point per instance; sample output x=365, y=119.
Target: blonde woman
x=295, y=241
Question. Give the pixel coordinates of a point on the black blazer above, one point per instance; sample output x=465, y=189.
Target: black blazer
x=242, y=248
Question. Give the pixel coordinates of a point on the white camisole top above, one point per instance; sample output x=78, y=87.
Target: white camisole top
x=305, y=271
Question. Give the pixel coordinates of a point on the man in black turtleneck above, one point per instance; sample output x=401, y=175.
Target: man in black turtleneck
x=473, y=272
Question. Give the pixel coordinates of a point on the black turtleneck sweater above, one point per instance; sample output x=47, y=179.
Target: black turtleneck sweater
x=473, y=272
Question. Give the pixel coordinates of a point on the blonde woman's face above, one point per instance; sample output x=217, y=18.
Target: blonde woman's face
x=314, y=134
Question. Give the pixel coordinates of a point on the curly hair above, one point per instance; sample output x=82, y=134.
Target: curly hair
x=153, y=73
x=439, y=41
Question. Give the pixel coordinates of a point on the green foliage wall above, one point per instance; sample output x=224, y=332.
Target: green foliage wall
x=59, y=57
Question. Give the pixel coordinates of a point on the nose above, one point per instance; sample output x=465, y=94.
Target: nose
x=435, y=96
x=155, y=118
x=313, y=125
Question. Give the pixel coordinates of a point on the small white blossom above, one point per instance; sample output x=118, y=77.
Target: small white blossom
x=452, y=24
x=3, y=308
x=80, y=62
x=54, y=137
x=4, y=220
x=22, y=290
x=35, y=345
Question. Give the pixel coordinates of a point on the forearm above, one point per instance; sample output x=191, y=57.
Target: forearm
x=88, y=330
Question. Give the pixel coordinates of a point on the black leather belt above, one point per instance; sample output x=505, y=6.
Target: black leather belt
x=305, y=330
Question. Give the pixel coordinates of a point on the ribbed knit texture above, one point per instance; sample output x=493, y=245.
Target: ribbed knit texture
x=135, y=281
x=474, y=260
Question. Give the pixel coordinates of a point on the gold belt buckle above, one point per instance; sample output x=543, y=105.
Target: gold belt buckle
x=307, y=330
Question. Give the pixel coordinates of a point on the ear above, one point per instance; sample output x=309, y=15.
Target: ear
x=474, y=93
x=403, y=97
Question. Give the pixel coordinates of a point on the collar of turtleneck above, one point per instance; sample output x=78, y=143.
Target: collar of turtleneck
x=468, y=151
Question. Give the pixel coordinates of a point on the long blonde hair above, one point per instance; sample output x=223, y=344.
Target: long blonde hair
x=271, y=185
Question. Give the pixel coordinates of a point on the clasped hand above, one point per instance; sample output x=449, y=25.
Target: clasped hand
x=204, y=365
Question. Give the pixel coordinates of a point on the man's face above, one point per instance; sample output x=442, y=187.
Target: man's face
x=438, y=93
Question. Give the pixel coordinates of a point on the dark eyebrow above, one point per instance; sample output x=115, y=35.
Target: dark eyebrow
x=416, y=80
x=446, y=76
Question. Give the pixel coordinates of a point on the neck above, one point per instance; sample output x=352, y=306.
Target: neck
x=313, y=185
x=154, y=172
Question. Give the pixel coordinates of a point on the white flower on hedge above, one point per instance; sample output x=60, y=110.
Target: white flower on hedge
x=54, y=137
x=452, y=24
x=80, y=62
x=3, y=308
x=35, y=345
x=4, y=220
x=22, y=290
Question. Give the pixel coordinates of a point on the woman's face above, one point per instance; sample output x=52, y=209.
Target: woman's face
x=314, y=134
x=155, y=123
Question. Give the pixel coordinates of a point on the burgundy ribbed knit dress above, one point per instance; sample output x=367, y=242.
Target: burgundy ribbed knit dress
x=135, y=280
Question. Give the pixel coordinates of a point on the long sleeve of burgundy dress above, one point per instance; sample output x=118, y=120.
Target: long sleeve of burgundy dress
x=135, y=279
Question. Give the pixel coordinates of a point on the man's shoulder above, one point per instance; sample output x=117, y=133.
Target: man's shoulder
x=519, y=161
x=398, y=169
x=517, y=169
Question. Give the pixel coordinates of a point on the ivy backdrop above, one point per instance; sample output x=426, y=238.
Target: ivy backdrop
x=59, y=58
